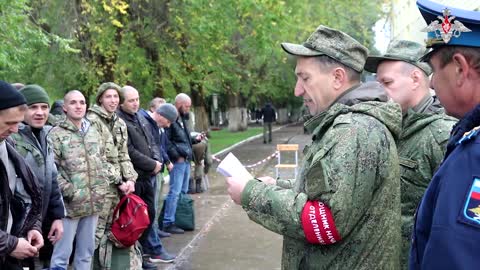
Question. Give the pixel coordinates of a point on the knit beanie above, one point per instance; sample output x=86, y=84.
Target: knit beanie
x=104, y=87
x=9, y=96
x=35, y=94
x=168, y=111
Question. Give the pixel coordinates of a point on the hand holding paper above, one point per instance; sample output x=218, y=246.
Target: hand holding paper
x=231, y=166
x=237, y=176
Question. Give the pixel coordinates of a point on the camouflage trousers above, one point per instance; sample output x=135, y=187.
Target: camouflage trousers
x=107, y=256
x=105, y=216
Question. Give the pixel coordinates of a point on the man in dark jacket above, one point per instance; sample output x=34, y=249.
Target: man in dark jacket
x=31, y=142
x=160, y=138
x=146, y=160
x=180, y=152
x=269, y=117
x=20, y=197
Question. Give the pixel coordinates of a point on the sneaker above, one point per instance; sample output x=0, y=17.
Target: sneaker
x=164, y=257
x=163, y=234
x=147, y=265
x=172, y=228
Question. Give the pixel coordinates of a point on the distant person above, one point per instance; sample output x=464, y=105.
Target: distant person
x=258, y=115
x=343, y=211
x=425, y=126
x=20, y=192
x=202, y=161
x=56, y=114
x=80, y=158
x=32, y=143
x=268, y=114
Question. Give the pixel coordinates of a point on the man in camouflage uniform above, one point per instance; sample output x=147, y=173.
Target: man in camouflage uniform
x=114, y=136
x=82, y=178
x=343, y=211
x=425, y=127
x=31, y=142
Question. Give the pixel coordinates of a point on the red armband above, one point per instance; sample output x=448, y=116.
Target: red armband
x=318, y=224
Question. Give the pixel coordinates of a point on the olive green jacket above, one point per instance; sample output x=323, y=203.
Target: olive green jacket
x=421, y=147
x=351, y=166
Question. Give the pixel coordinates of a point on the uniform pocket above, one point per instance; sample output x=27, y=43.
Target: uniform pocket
x=316, y=181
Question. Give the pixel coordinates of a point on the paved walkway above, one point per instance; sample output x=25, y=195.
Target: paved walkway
x=225, y=238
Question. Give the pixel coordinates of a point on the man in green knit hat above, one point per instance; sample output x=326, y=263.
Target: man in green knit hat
x=114, y=136
x=32, y=144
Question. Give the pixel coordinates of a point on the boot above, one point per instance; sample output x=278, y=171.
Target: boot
x=191, y=188
x=198, y=185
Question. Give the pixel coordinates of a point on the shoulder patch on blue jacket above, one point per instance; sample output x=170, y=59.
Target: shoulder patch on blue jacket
x=471, y=209
x=469, y=135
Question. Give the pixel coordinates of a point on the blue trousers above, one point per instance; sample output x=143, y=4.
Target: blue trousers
x=179, y=176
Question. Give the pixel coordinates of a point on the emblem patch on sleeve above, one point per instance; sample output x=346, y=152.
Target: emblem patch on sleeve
x=471, y=210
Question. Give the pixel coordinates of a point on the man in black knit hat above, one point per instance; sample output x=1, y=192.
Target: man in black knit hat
x=20, y=195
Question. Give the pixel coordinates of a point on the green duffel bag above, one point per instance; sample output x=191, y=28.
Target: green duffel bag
x=185, y=214
x=109, y=257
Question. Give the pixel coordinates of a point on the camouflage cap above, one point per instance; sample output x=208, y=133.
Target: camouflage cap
x=400, y=50
x=333, y=43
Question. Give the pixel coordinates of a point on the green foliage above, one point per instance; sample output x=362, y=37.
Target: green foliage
x=163, y=47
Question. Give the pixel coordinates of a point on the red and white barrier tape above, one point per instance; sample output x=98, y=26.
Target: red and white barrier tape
x=254, y=164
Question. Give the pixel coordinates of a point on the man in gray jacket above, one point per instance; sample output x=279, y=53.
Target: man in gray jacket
x=31, y=143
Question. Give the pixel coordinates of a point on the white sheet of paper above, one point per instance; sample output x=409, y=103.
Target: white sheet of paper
x=231, y=166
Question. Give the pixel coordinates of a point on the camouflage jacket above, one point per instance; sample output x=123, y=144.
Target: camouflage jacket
x=80, y=160
x=421, y=147
x=352, y=167
x=113, y=131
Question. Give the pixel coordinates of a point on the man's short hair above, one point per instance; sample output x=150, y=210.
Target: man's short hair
x=327, y=63
x=472, y=55
x=156, y=102
x=182, y=97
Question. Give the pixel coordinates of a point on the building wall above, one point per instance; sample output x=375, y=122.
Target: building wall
x=406, y=20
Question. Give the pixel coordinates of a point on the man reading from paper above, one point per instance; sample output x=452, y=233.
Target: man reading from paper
x=343, y=211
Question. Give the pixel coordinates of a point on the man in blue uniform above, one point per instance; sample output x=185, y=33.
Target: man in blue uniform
x=447, y=228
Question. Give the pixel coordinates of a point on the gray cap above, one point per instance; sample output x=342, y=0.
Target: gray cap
x=333, y=43
x=168, y=111
x=400, y=50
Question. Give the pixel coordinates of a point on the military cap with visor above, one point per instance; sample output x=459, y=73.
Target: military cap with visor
x=332, y=43
x=400, y=50
x=448, y=26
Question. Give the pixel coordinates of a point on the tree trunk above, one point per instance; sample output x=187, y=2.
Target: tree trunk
x=237, y=119
x=282, y=114
x=237, y=112
x=198, y=103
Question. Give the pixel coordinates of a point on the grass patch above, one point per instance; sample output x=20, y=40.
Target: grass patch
x=221, y=139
